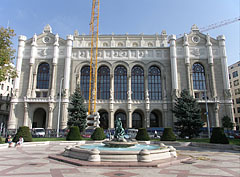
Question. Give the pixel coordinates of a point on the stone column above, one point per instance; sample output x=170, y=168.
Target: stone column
x=187, y=61
x=54, y=65
x=147, y=108
x=50, y=115
x=12, y=119
x=34, y=85
x=25, y=118
x=173, y=57
x=111, y=104
x=129, y=100
x=111, y=119
x=66, y=82
x=31, y=63
x=211, y=66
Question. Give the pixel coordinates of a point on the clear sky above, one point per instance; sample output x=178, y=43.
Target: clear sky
x=27, y=17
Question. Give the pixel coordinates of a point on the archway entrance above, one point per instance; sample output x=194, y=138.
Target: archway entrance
x=123, y=116
x=39, y=118
x=103, y=119
x=156, y=119
x=137, y=119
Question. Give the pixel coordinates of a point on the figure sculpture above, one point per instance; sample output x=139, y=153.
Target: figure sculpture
x=119, y=130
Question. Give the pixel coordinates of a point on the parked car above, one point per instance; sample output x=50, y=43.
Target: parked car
x=38, y=132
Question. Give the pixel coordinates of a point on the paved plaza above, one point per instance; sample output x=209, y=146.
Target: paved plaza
x=33, y=161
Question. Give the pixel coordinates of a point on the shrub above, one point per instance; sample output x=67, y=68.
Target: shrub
x=168, y=135
x=218, y=136
x=142, y=135
x=1, y=140
x=24, y=132
x=73, y=134
x=98, y=134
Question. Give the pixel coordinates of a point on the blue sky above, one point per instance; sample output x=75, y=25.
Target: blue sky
x=27, y=17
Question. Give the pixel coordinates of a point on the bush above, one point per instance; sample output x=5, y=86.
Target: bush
x=142, y=135
x=24, y=132
x=1, y=140
x=168, y=135
x=73, y=134
x=98, y=134
x=218, y=136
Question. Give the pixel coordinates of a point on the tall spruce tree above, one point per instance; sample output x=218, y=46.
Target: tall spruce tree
x=77, y=110
x=188, y=114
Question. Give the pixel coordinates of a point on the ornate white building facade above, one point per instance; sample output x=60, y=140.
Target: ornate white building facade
x=139, y=77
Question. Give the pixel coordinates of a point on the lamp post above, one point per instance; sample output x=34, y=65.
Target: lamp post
x=208, y=124
x=59, y=105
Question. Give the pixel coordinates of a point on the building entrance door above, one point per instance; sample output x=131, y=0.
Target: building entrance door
x=39, y=118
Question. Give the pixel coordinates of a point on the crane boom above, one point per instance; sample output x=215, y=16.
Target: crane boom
x=94, y=23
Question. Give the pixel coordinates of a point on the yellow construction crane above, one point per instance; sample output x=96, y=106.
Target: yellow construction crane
x=94, y=23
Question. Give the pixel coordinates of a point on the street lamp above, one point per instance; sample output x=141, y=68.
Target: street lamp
x=208, y=124
x=59, y=105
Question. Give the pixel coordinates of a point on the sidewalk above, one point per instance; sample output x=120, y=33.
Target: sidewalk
x=33, y=161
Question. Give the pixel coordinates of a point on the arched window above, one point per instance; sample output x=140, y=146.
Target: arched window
x=154, y=83
x=103, y=83
x=43, y=76
x=136, y=120
x=120, y=83
x=198, y=77
x=84, y=84
x=122, y=115
x=103, y=119
x=137, y=83
x=154, y=120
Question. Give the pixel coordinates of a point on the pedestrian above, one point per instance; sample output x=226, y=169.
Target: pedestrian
x=20, y=141
x=9, y=141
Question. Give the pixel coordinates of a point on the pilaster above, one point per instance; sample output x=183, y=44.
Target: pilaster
x=50, y=115
x=187, y=61
x=25, y=119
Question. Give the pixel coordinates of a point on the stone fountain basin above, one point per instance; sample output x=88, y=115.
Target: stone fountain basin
x=96, y=155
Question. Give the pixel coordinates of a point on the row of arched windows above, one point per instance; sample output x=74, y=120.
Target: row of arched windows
x=120, y=81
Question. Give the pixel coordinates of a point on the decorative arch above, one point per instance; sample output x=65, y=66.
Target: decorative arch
x=103, y=83
x=156, y=119
x=154, y=83
x=120, y=83
x=84, y=83
x=43, y=76
x=198, y=76
x=121, y=114
x=137, y=82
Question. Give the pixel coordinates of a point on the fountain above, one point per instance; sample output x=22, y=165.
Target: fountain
x=119, y=150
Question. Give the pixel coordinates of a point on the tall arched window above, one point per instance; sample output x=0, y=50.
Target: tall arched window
x=198, y=77
x=137, y=83
x=43, y=76
x=103, y=83
x=120, y=83
x=84, y=84
x=137, y=120
x=154, y=83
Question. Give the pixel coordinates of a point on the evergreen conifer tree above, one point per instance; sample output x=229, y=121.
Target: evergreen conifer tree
x=77, y=110
x=188, y=114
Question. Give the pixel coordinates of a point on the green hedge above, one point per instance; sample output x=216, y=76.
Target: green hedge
x=73, y=134
x=98, y=134
x=24, y=132
x=168, y=135
x=1, y=140
x=142, y=135
x=218, y=136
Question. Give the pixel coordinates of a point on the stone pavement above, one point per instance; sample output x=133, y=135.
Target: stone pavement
x=33, y=161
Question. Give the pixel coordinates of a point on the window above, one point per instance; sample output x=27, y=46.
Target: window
x=237, y=91
x=43, y=76
x=198, y=77
x=237, y=101
x=230, y=84
x=235, y=74
x=103, y=83
x=2, y=87
x=137, y=83
x=9, y=79
x=84, y=83
x=105, y=44
x=236, y=120
x=120, y=44
x=238, y=109
x=136, y=120
x=120, y=83
x=135, y=44
x=7, y=88
x=154, y=83
x=233, y=101
x=236, y=82
x=229, y=76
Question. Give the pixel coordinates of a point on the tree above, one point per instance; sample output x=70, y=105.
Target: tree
x=77, y=111
x=227, y=123
x=6, y=54
x=188, y=114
